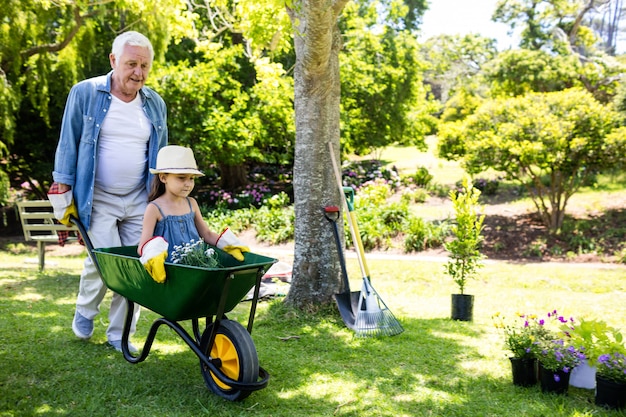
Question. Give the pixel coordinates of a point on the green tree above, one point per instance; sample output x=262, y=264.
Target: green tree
x=227, y=122
x=228, y=95
x=552, y=143
x=453, y=62
x=44, y=50
x=384, y=100
x=464, y=247
x=517, y=72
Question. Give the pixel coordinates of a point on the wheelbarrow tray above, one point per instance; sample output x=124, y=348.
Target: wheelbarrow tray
x=188, y=292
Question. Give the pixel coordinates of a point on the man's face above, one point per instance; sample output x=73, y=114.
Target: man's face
x=130, y=70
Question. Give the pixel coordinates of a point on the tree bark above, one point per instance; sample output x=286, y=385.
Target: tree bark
x=316, y=269
x=233, y=176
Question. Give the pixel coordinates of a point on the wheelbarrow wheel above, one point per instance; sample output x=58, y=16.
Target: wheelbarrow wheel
x=235, y=349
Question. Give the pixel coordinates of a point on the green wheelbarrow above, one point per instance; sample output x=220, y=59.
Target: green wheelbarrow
x=228, y=358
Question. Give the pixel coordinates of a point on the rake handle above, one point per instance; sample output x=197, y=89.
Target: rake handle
x=356, y=238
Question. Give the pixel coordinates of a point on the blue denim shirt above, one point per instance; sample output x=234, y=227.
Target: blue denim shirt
x=75, y=160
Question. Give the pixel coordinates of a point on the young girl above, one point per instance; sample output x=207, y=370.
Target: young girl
x=172, y=214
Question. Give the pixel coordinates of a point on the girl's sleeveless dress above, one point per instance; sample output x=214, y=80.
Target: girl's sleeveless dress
x=177, y=230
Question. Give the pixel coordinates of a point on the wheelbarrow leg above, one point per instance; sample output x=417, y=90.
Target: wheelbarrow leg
x=255, y=298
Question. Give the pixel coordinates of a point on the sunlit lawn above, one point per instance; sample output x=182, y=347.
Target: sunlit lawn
x=437, y=367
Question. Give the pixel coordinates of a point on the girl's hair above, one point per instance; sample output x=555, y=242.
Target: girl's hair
x=157, y=188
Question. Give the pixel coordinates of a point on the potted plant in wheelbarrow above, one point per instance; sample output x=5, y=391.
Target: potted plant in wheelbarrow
x=464, y=257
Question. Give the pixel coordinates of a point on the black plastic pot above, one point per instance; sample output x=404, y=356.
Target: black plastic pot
x=462, y=307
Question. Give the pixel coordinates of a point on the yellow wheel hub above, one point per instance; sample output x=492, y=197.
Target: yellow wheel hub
x=224, y=350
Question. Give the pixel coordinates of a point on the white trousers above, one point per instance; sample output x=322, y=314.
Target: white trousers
x=115, y=221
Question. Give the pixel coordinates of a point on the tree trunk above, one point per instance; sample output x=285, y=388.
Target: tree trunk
x=233, y=176
x=316, y=270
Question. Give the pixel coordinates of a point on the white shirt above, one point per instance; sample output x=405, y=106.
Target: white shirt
x=123, y=147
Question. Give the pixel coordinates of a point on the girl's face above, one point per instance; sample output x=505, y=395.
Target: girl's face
x=178, y=184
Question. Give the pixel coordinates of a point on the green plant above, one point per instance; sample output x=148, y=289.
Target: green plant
x=595, y=337
x=419, y=195
x=613, y=367
x=521, y=337
x=420, y=234
x=487, y=186
x=274, y=225
x=421, y=178
x=464, y=249
x=555, y=355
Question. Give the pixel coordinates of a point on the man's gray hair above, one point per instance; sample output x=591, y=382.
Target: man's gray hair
x=133, y=39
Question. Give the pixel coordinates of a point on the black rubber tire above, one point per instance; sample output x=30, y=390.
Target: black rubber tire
x=240, y=362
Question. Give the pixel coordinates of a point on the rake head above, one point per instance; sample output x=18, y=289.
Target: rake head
x=373, y=317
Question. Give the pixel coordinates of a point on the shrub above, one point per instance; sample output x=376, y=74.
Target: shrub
x=421, y=178
x=357, y=173
x=487, y=186
x=418, y=195
x=274, y=225
x=421, y=235
x=465, y=257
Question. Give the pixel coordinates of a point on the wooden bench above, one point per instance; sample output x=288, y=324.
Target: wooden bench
x=39, y=225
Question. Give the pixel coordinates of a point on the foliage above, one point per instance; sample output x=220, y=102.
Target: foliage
x=421, y=178
x=487, y=186
x=358, y=173
x=420, y=235
x=555, y=350
x=234, y=120
x=418, y=195
x=547, y=24
x=612, y=366
x=520, y=71
x=453, y=64
x=383, y=98
x=45, y=49
x=595, y=337
x=275, y=224
x=464, y=248
x=195, y=254
x=551, y=143
x=555, y=355
x=521, y=336
x=379, y=220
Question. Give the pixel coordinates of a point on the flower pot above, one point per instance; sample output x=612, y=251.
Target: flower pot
x=583, y=376
x=553, y=381
x=462, y=307
x=524, y=371
x=610, y=394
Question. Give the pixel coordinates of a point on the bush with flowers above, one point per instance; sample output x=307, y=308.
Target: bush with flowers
x=612, y=366
x=521, y=336
x=195, y=253
x=558, y=356
x=557, y=353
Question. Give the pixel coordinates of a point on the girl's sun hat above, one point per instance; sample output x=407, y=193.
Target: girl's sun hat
x=175, y=159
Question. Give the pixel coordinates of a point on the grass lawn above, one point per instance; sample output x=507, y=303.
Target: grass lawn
x=437, y=367
x=407, y=159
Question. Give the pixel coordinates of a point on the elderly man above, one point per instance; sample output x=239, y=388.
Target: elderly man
x=113, y=127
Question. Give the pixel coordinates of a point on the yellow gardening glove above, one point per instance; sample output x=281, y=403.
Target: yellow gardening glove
x=63, y=204
x=229, y=243
x=153, y=255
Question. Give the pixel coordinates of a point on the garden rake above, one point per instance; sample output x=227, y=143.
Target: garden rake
x=372, y=316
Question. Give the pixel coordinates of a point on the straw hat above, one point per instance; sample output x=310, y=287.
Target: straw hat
x=174, y=159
